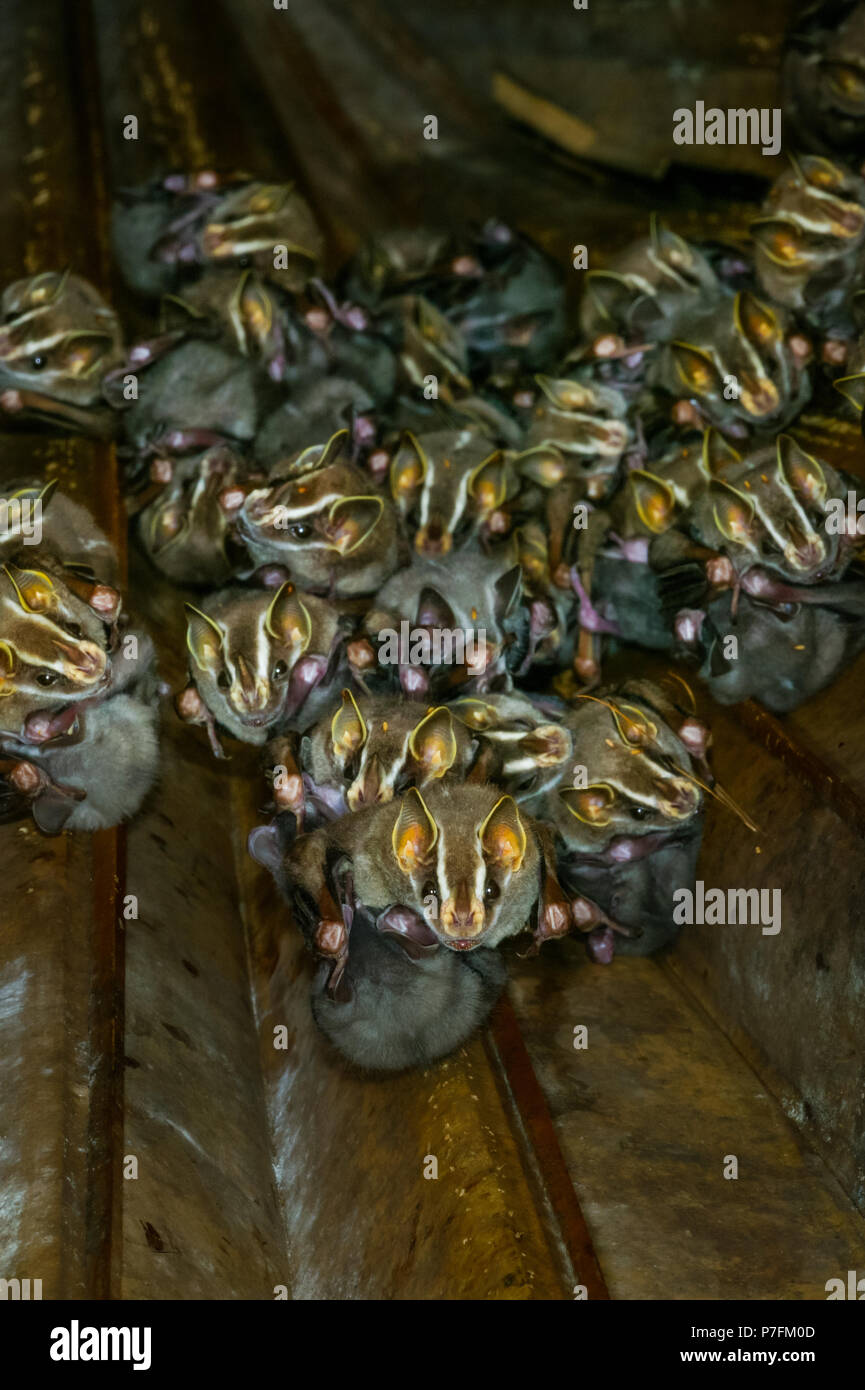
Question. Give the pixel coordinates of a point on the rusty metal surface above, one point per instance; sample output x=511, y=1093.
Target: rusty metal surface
x=648, y=1115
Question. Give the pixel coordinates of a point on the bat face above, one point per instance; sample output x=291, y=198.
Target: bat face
x=824, y=77
x=388, y=264
x=248, y=225
x=245, y=307
x=635, y=779
x=447, y=485
x=578, y=432
x=54, y=650
x=185, y=530
x=323, y=521
x=810, y=235
x=59, y=339
x=374, y=748
x=256, y=656
x=738, y=362
x=468, y=861
x=525, y=747
x=770, y=511
x=650, y=284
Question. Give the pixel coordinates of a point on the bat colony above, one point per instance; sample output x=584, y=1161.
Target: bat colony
x=428, y=449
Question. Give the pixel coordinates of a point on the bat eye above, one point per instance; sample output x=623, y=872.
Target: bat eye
x=300, y=531
x=245, y=262
x=280, y=671
x=47, y=677
x=639, y=812
x=73, y=629
x=222, y=680
x=430, y=889
x=37, y=362
x=491, y=891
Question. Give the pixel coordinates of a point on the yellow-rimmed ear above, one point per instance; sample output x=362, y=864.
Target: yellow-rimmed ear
x=251, y=308
x=333, y=448
x=348, y=731
x=287, y=620
x=566, y=394
x=488, y=483
x=755, y=320
x=591, y=805
x=203, y=638
x=433, y=743
x=716, y=452
x=802, y=472
x=35, y=590
x=414, y=834
x=846, y=80
x=175, y=312
x=695, y=367
x=408, y=467
x=607, y=290
x=83, y=351
x=821, y=172
x=734, y=513
x=634, y=726
x=780, y=240
x=654, y=499
x=852, y=388
x=353, y=519
x=503, y=836
x=475, y=714
x=664, y=240
x=7, y=666
x=543, y=464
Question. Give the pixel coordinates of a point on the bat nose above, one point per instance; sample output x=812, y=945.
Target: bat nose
x=368, y=789
x=462, y=916
x=85, y=659
x=433, y=539
x=679, y=798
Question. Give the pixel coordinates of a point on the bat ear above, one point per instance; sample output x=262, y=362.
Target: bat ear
x=352, y=521
x=503, y=836
x=609, y=292
x=717, y=453
x=852, y=388
x=654, y=500
x=488, y=483
x=82, y=352
x=288, y=621
x=265, y=847
x=253, y=307
x=668, y=244
x=348, y=731
x=433, y=743
x=734, y=513
x=414, y=834
x=203, y=638
x=7, y=666
x=433, y=610
x=543, y=465
x=333, y=448
x=475, y=714
x=696, y=369
x=35, y=591
x=177, y=314
x=802, y=472
x=780, y=241
x=755, y=320
x=591, y=804
x=407, y=468
x=508, y=590
x=565, y=394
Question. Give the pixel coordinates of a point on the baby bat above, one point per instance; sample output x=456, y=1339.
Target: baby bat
x=58, y=341
x=262, y=662
x=321, y=518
